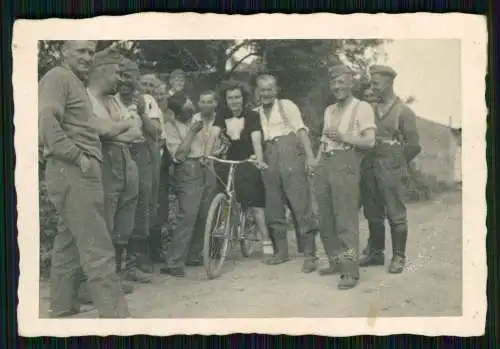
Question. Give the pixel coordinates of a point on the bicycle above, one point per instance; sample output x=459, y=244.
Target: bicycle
x=225, y=223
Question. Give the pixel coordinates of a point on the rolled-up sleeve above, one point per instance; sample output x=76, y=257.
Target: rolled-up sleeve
x=294, y=115
x=365, y=117
x=53, y=92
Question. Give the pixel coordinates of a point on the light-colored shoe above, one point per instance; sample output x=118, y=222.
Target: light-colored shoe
x=267, y=248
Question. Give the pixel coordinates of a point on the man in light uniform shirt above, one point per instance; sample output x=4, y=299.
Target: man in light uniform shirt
x=119, y=171
x=349, y=126
x=141, y=108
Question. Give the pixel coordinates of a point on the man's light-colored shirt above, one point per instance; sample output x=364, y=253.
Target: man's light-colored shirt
x=122, y=112
x=153, y=111
x=130, y=112
x=98, y=108
x=353, y=119
x=281, y=125
x=176, y=131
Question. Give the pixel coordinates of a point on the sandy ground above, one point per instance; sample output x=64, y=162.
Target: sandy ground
x=431, y=285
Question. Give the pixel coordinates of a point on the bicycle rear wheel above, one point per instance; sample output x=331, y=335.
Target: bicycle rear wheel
x=247, y=234
x=217, y=235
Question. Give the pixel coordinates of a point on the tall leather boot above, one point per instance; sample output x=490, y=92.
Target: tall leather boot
x=144, y=262
x=399, y=235
x=155, y=246
x=127, y=288
x=367, y=249
x=309, y=245
x=281, y=256
x=133, y=273
x=273, y=242
x=119, y=258
x=374, y=254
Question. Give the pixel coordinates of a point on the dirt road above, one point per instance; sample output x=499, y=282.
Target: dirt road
x=431, y=285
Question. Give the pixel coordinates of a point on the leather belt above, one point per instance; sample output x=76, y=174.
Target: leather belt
x=334, y=151
x=119, y=144
x=388, y=141
x=339, y=146
x=277, y=138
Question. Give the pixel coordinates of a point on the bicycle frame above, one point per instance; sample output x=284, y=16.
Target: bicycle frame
x=228, y=188
x=229, y=185
x=233, y=217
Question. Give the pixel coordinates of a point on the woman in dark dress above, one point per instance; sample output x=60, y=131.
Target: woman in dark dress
x=242, y=127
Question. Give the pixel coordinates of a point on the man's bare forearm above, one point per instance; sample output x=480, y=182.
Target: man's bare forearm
x=110, y=128
x=152, y=130
x=185, y=147
x=306, y=143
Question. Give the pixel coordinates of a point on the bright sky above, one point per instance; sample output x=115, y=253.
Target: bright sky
x=428, y=70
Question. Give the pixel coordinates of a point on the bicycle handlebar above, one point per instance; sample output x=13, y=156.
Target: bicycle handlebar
x=232, y=162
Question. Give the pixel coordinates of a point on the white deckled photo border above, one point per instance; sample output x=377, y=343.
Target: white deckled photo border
x=470, y=29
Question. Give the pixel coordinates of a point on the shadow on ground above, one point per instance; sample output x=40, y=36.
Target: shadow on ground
x=431, y=285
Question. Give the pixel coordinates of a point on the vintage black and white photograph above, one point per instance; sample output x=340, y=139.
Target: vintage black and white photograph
x=251, y=178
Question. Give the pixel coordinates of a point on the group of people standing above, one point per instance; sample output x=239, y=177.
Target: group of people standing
x=113, y=139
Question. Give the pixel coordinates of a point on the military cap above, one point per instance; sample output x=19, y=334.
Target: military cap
x=177, y=73
x=149, y=77
x=339, y=69
x=129, y=65
x=383, y=70
x=106, y=56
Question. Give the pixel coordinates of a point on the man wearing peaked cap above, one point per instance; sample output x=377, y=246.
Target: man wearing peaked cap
x=143, y=109
x=349, y=125
x=384, y=170
x=339, y=69
x=383, y=70
x=119, y=171
x=128, y=65
x=105, y=57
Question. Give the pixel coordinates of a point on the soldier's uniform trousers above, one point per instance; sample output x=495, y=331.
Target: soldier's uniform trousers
x=384, y=170
x=120, y=179
x=84, y=243
x=337, y=193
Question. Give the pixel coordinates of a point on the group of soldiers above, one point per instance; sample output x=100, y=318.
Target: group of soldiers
x=111, y=136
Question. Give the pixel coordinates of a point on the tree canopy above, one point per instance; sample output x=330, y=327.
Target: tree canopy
x=303, y=60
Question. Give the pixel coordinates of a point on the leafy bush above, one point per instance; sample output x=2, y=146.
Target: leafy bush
x=48, y=228
x=422, y=186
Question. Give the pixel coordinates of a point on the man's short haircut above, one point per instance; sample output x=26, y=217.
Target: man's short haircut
x=177, y=73
x=266, y=77
x=149, y=76
x=67, y=43
x=208, y=92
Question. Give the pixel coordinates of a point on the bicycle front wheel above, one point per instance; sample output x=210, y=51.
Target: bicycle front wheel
x=217, y=235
